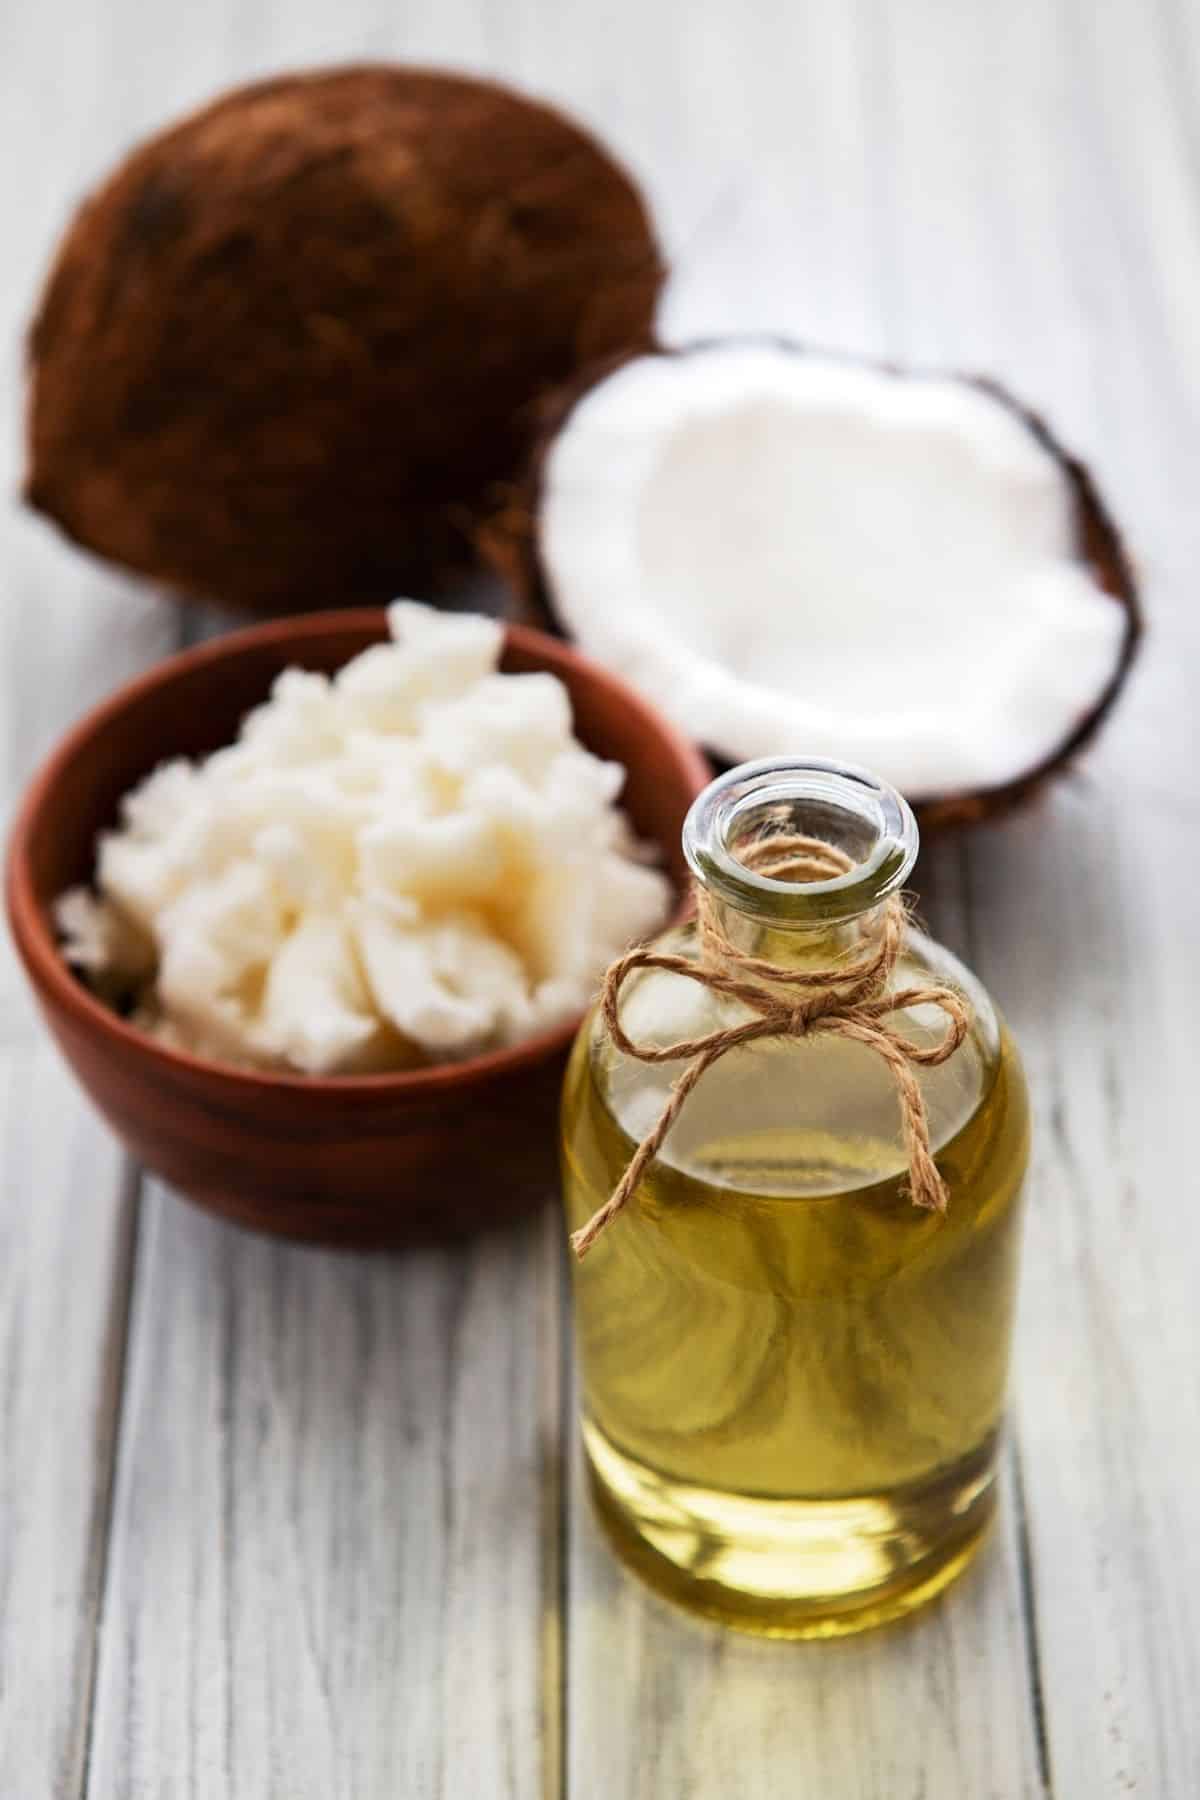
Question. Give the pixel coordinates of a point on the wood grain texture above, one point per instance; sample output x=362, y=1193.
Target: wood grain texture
x=325, y=1577
x=1081, y=179
x=333, y=1555
x=66, y=1233
x=67, y=1225
x=660, y=1704
x=656, y=1704
x=67, y=1197
x=68, y=632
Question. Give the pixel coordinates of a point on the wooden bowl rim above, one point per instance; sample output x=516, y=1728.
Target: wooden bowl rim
x=52, y=975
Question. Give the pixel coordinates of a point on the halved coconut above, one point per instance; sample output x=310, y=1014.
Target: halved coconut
x=793, y=551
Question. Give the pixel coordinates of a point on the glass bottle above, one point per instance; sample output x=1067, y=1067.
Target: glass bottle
x=793, y=1378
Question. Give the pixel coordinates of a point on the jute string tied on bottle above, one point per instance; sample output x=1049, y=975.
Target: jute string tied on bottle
x=850, y=998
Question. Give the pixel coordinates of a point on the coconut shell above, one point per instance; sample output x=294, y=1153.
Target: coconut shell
x=510, y=544
x=288, y=348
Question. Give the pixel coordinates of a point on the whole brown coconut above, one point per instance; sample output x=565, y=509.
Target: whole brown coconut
x=288, y=349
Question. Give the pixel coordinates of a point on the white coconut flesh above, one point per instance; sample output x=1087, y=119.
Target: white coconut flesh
x=791, y=554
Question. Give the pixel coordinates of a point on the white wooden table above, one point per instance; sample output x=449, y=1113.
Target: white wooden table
x=275, y=1522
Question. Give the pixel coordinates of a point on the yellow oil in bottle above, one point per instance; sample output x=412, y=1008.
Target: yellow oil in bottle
x=793, y=1380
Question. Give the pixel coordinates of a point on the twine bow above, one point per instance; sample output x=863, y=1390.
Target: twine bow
x=848, y=999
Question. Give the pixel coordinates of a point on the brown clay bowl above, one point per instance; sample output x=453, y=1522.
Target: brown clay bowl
x=366, y=1160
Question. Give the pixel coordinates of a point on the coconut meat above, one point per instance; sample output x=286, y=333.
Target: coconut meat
x=790, y=552
x=413, y=860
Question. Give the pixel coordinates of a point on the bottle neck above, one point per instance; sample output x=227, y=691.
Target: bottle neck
x=798, y=905
x=791, y=946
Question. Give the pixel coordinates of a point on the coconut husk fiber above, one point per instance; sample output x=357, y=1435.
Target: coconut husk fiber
x=287, y=350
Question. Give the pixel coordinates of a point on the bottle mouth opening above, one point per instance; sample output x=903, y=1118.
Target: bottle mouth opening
x=846, y=807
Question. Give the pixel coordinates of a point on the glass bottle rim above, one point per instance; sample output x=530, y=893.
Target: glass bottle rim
x=837, y=802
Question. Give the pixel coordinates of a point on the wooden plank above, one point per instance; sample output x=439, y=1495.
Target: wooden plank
x=1093, y=250
x=1109, y=1335
x=66, y=1236
x=68, y=633
x=659, y=1704
x=67, y=1207
x=663, y=1704
x=327, y=1573
x=76, y=83
x=352, y=1675
x=1023, y=199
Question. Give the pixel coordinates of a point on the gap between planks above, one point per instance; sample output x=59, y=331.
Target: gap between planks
x=556, y=1428
x=116, y=1355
